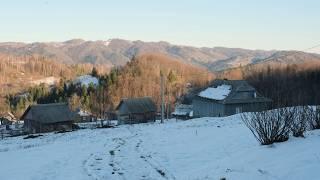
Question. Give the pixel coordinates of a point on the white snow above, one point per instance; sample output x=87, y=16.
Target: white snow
x=205, y=148
x=191, y=114
x=86, y=80
x=83, y=113
x=182, y=109
x=47, y=80
x=106, y=43
x=218, y=93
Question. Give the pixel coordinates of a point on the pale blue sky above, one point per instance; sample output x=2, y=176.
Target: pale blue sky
x=254, y=24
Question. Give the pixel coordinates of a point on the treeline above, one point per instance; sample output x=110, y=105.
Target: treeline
x=288, y=85
x=17, y=74
x=42, y=94
x=11, y=66
x=28, y=66
x=139, y=77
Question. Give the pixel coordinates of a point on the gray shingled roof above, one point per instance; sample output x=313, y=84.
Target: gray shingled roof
x=236, y=95
x=138, y=105
x=48, y=113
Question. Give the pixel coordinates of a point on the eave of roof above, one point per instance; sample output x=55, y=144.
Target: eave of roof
x=138, y=105
x=49, y=113
x=239, y=101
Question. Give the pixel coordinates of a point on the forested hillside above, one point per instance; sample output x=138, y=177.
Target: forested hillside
x=20, y=86
x=285, y=84
x=18, y=73
x=139, y=77
x=290, y=85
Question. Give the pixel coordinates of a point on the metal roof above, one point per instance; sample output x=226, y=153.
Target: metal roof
x=48, y=113
x=238, y=92
x=138, y=105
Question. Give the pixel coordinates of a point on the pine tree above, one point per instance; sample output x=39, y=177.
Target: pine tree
x=94, y=72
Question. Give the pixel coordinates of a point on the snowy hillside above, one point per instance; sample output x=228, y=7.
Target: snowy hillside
x=206, y=148
x=47, y=80
x=86, y=80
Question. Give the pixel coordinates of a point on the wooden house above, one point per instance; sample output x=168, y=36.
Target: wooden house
x=42, y=118
x=136, y=110
x=228, y=97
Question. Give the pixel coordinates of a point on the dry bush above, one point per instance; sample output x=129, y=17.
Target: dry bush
x=271, y=126
x=302, y=116
x=314, y=121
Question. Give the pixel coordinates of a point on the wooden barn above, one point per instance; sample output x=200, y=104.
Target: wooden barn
x=42, y=118
x=228, y=97
x=136, y=110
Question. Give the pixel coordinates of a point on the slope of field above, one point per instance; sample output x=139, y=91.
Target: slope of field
x=205, y=148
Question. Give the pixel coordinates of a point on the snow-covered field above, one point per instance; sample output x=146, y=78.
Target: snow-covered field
x=206, y=148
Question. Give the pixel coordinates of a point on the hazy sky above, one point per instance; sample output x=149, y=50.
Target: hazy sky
x=254, y=24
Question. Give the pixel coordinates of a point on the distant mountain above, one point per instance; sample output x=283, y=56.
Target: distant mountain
x=117, y=52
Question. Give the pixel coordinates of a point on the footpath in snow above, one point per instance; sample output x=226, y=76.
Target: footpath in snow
x=206, y=148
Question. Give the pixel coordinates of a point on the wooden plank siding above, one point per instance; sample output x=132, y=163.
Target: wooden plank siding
x=136, y=110
x=207, y=108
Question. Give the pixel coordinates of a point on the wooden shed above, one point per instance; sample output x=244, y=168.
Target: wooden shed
x=183, y=111
x=136, y=110
x=7, y=118
x=42, y=118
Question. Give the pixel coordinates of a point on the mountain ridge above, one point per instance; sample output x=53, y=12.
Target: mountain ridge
x=117, y=52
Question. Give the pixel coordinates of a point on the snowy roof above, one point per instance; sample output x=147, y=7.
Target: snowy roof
x=233, y=92
x=216, y=93
x=182, y=110
x=86, y=80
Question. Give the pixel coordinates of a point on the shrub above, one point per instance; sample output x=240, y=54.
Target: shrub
x=271, y=126
x=314, y=121
x=302, y=116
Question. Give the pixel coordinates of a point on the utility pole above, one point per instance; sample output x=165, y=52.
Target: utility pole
x=168, y=102
x=162, y=96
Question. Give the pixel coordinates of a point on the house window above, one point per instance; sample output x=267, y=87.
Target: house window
x=238, y=110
